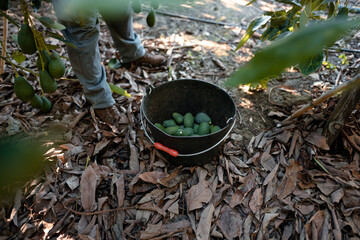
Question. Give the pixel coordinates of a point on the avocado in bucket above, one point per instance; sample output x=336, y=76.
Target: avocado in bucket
x=188, y=96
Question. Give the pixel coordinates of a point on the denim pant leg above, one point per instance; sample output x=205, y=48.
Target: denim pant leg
x=125, y=39
x=83, y=31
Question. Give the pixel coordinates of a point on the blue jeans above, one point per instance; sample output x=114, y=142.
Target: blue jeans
x=82, y=30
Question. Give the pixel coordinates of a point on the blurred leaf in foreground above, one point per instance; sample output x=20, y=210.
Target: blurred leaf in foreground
x=291, y=50
x=20, y=161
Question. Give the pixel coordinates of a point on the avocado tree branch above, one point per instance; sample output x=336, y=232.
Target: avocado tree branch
x=18, y=66
x=352, y=83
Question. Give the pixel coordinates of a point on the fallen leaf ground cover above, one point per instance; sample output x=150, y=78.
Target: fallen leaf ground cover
x=270, y=179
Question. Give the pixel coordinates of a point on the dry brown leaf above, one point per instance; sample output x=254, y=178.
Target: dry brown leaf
x=88, y=188
x=153, y=177
x=230, y=222
x=264, y=225
x=134, y=158
x=73, y=182
x=284, y=137
x=337, y=195
x=151, y=207
x=327, y=188
x=288, y=183
x=267, y=161
x=16, y=207
x=154, y=196
x=120, y=190
x=197, y=195
x=152, y=231
x=256, y=200
x=276, y=114
x=271, y=175
x=241, y=192
x=313, y=227
x=317, y=140
x=270, y=190
x=351, y=198
x=305, y=209
x=203, y=229
x=100, y=146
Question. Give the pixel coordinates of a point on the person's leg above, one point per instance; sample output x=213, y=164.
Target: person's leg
x=127, y=41
x=82, y=30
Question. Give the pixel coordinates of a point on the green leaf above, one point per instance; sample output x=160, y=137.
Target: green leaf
x=119, y=90
x=252, y=1
x=313, y=64
x=291, y=50
x=18, y=56
x=61, y=38
x=257, y=23
x=292, y=2
x=253, y=26
x=52, y=47
x=244, y=40
x=114, y=63
x=331, y=12
x=50, y=23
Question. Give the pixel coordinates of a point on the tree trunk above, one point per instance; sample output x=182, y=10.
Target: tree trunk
x=347, y=103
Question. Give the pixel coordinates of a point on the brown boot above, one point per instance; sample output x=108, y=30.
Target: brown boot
x=109, y=115
x=151, y=59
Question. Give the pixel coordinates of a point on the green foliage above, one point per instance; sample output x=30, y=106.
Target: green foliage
x=119, y=90
x=18, y=56
x=50, y=23
x=21, y=159
x=344, y=60
x=312, y=64
x=280, y=23
x=293, y=49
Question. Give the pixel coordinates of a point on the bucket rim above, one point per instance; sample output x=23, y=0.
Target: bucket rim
x=150, y=88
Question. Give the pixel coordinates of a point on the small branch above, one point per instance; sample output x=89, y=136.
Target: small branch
x=3, y=52
x=344, y=50
x=98, y=212
x=18, y=66
x=193, y=18
x=324, y=97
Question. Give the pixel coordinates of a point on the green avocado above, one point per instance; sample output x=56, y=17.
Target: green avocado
x=169, y=123
x=136, y=6
x=150, y=19
x=204, y=128
x=189, y=120
x=56, y=66
x=36, y=102
x=47, y=82
x=46, y=59
x=26, y=40
x=46, y=107
x=23, y=89
x=171, y=130
x=202, y=117
x=179, y=119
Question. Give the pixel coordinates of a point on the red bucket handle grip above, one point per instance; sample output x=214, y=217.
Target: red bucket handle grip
x=170, y=151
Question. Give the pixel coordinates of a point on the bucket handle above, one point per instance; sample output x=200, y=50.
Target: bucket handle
x=175, y=153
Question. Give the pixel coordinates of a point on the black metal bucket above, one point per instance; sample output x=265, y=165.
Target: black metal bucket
x=182, y=96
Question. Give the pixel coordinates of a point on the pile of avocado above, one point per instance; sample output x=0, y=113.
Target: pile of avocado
x=50, y=66
x=188, y=125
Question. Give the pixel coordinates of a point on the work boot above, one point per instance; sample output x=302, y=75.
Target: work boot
x=109, y=115
x=151, y=59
